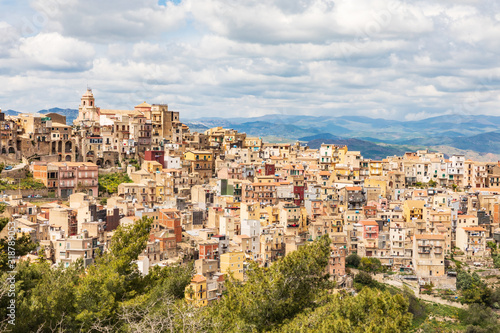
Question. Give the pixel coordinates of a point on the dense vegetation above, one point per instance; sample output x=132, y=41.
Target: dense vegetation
x=495, y=255
x=108, y=184
x=22, y=245
x=27, y=183
x=111, y=295
x=292, y=295
x=367, y=264
x=474, y=291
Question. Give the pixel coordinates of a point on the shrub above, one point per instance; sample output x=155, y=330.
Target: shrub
x=353, y=260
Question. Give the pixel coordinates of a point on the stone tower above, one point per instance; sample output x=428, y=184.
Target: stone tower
x=87, y=111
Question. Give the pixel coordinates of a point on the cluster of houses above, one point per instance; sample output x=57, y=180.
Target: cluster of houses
x=224, y=199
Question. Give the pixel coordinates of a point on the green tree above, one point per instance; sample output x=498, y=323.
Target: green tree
x=109, y=183
x=495, y=298
x=493, y=246
x=496, y=260
x=468, y=281
x=171, y=280
x=370, y=264
x=3, y=222
x=45, y=297
x=473, y=290
x=271, y=295
x=415, y=306
x=364, y=278
x=107, y=296
x=21, y=246
x=480, y=318
x=114, y=277
x=369, y=311
x=353, y=260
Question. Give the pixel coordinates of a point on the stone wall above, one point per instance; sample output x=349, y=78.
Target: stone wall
x=110, y=170
x=43, y=192
x=16, y=174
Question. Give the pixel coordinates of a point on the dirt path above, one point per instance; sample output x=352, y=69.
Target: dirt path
x=428, y=298
x=438, y=300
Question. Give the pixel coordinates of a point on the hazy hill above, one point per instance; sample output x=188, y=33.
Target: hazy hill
x=368, y=149
x=373, y=136
x=11, y=112
x=71, y=114
x=321, y=136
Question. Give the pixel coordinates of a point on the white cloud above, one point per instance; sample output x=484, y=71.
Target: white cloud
x=428, y=91
x=8, y=38
x=102, y=21
x=316, y=21
x=51, y=51
x=391, y=59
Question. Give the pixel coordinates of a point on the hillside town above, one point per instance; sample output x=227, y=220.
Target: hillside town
x=225, y=199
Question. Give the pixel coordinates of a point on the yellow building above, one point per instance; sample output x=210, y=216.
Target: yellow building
x=198, y=155
x=376, y=168
x=232, y=262
x=196, y=291
x=252, y=143
x=201, y=162
x=413, y=209
x=377, y=182
x=272, y=213
x=339, y=155
x=152, y=166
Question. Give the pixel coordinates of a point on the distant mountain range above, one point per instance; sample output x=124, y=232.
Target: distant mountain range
x=476, y=136
x=71, y=114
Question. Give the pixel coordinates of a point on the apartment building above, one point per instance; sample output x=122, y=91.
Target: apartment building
x=66, y=178
x=428, y=255
x=472, y=240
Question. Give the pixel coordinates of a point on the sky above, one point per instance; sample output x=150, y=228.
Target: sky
x=402, y=60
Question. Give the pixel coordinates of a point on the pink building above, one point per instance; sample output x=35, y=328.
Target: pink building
x=66, y=178
x=336, y=262
x=370, y=229
x=370, y=236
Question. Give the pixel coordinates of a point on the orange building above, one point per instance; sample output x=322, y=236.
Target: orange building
x=171, y=219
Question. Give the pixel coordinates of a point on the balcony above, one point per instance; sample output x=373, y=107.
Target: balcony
x=356, y=199
x=429, y=263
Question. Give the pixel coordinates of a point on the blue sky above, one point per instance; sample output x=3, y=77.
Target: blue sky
x=388, y=59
